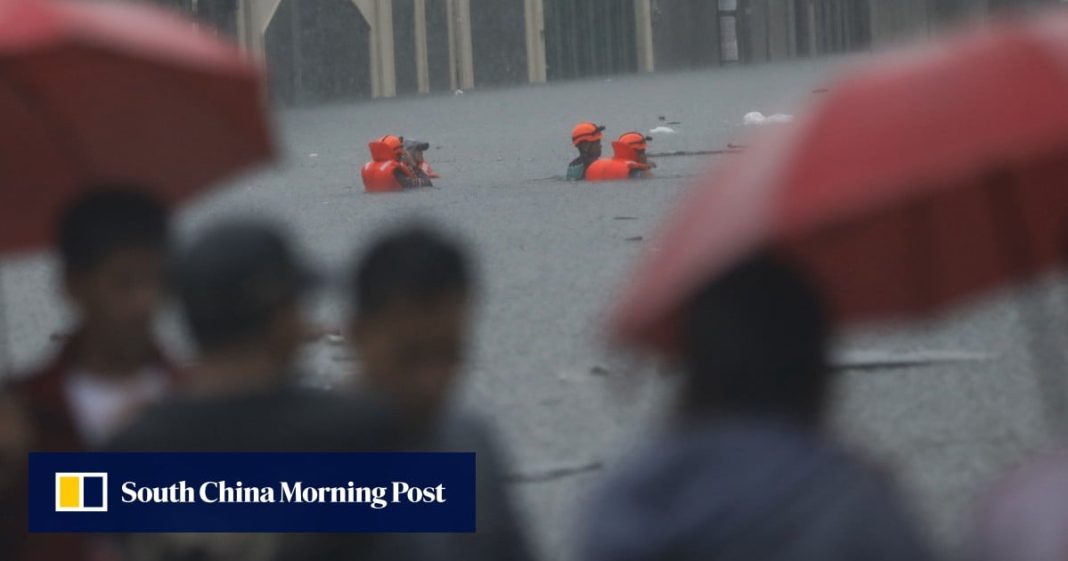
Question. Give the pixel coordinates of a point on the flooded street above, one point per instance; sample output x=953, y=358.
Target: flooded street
x=551, y=255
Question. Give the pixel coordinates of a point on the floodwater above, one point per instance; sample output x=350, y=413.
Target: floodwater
x=551, y=254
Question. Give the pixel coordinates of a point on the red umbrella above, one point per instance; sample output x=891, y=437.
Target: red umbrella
x=924, y=179
x=94, y=92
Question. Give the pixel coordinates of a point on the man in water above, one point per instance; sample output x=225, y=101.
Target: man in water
x=628, y=160
x=415, y=149
x=587, y=138
x=392, y=168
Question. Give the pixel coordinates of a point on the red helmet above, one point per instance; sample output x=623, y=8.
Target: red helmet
x=586, y=132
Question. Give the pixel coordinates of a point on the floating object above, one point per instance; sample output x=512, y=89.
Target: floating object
x=663, y=130
x=758, y=118
x=458, y=92
x=869, y=359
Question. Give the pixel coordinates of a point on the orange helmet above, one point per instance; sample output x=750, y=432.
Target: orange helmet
x=635, y=140
x=395, y=143
x=586, y=132
x=630, y=144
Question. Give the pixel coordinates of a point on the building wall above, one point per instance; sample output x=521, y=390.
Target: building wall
x=685, y=34
x=498, y=38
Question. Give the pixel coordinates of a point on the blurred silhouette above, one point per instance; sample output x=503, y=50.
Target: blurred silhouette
x=240, y=289
x=744, y=471
x=112, y=246
x=1025, y=516
x=586, y=137
x=628, y=160
x=413, y=296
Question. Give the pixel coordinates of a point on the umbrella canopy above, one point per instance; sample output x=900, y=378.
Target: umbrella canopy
x=112, y=92
x=923, y=179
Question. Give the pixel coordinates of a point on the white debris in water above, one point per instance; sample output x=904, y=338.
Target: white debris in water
x=663, y=130
x=758, y=118
x=459, y=92
x=313, y=155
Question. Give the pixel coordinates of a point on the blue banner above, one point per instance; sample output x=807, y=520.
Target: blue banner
x=252, y=492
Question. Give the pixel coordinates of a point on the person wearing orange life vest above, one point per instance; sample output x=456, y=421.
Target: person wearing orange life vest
x=628, y=160
x=587, y=138
x=391, y=168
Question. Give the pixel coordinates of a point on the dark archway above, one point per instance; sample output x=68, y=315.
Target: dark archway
x=317, y=51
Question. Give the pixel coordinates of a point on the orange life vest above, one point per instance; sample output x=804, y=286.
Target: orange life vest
x=611, y=169
x=380, y=175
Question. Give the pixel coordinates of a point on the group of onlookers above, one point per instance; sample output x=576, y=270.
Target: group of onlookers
x=742, y=469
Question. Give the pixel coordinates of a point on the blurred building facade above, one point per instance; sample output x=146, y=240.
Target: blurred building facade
x=319, y=50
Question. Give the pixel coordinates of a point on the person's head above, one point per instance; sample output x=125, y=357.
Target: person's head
x=412, y=292
x=112, y=248
x=631, y=146
x=755, y=342
x=395, y=144
x=416, y=148
x=587, y=138
x=239, y=286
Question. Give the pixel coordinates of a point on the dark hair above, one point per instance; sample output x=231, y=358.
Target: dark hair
x=414, y=264
x=110, y=219
x=755, y=341
x=234, y=279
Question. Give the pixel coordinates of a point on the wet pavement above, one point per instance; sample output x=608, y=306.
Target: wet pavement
x=552, y=253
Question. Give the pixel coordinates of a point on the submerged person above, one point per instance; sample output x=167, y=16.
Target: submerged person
x=628, y=161
x=746, y=468
x=587, y=139
x=413, y=295
x=392, y=167
x=415, y=149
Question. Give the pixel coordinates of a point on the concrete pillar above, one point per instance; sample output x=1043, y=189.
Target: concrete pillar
x=535, y=26
x=422, y=68
x=644, y=33
x=461, y=59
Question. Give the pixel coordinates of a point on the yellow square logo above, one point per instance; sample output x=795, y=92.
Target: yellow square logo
x=81, y=492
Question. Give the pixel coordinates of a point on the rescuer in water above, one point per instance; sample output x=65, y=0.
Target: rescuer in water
x=415, y=149
x=628, y=160
x=392, y=168
x=587, y=138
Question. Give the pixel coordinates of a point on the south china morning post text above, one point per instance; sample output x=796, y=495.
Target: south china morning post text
x=210, y=492
x=252, y=492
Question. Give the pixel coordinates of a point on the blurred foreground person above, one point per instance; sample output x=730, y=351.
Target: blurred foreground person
x=112, y=246
x=586, y=137
x=413, y=297
x=240, y=289
x=628, y=160
x=392, y=167
x=1025, y=518
x=14, y=445
x=744, y=470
